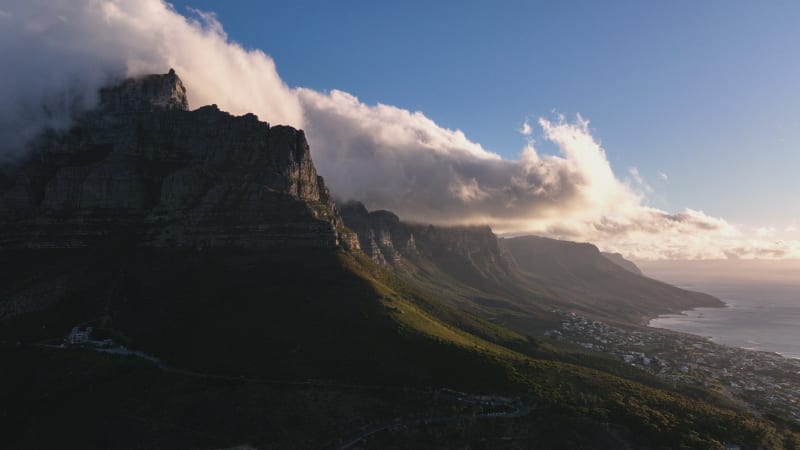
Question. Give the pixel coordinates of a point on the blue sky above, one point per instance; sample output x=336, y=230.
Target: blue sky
x=705, y=92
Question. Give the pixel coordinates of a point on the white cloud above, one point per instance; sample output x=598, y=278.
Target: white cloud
x=663, y=176
x=386, y=156
x=526, y=129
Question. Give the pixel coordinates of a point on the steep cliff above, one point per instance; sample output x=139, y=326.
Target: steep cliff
x=144, y=168
x=469, y=254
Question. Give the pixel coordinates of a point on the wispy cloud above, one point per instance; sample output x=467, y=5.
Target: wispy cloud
x=526, y=129
x=663, y=176
x=638, y=181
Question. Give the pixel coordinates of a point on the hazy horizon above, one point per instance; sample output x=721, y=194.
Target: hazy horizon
x=762, y=300
x=728, y=271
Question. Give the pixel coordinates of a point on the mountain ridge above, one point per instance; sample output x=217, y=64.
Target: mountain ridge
x=531, y=274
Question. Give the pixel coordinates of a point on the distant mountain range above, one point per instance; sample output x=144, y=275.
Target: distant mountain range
x=209, y=242
x=518, y=280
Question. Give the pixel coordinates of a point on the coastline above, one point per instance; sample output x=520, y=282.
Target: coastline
x=677, y=322
x=763, y=380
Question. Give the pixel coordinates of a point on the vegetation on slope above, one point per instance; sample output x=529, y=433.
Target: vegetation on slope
x=320, y=315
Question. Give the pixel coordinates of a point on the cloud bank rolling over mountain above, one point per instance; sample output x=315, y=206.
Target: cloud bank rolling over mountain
x=60, y=52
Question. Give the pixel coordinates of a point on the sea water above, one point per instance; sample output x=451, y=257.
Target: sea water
x=757, y=316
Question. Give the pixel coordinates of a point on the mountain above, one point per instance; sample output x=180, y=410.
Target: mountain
x=514, y=281
x=142, y=167
x=620, y=260
x=204, y=239
x=579, y=275
x=209, y=244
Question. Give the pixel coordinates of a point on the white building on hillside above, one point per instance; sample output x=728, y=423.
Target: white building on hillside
x=79, y=336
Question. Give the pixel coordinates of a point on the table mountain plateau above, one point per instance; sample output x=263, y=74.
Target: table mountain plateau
x=144, y=167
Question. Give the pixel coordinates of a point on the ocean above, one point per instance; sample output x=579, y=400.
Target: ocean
x=762, y=310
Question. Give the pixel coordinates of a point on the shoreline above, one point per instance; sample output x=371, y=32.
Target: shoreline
x=713, y=339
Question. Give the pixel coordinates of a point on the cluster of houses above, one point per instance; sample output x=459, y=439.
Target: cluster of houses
x=767, y=381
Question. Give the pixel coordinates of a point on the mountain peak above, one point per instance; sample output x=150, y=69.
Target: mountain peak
x=158, y=175
x=146, y=94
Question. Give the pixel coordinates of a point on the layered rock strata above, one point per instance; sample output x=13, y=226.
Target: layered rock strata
x=143, y=167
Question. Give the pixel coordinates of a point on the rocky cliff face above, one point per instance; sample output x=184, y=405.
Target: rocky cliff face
x=472, y=252
x=145, y=168
x=380, y=234
x=146, y=94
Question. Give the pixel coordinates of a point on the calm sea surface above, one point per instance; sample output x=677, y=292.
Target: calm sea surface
x=759, y=316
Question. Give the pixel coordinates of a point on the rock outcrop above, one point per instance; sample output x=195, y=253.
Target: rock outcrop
x=146, y=94
x=142, y=167
x=381, y=235
x=473, y=251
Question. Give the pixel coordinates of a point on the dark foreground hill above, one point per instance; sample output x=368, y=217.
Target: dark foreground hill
x=208, y=241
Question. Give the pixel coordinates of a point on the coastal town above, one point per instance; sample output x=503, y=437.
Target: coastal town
x=766, y=382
